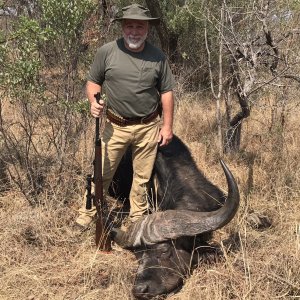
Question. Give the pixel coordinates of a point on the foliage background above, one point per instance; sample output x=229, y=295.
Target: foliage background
x=46, y=144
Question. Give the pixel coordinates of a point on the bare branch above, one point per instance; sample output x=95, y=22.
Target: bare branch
x=209, y=62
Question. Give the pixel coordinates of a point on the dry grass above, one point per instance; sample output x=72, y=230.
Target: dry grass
x=43, y=257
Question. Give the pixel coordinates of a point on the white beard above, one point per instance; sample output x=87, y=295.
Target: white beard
x=133, y=43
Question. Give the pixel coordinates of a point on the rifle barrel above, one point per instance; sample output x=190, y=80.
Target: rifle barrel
x=103, y=241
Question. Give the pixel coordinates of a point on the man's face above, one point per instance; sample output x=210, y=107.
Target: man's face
x=135, y=33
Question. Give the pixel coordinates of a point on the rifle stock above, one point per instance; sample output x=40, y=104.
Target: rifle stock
x=103, y=240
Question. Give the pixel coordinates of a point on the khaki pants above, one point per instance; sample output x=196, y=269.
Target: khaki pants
x=115, y=141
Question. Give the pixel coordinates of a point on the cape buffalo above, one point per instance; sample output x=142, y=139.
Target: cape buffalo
x=169, y=242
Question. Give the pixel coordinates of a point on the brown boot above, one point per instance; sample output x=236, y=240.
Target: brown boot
x=86, y=217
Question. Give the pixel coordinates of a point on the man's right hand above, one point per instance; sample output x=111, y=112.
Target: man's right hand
x=97, y=108
x=93, y=89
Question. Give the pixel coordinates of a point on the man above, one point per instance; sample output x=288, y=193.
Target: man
x=136, y=78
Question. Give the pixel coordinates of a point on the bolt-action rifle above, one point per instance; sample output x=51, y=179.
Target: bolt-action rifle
x=103, y=241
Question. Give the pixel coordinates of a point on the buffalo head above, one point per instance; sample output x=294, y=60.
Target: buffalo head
x=164, y=242
x=161, y=270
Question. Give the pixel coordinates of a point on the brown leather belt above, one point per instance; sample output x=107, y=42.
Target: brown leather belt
x=121, y=121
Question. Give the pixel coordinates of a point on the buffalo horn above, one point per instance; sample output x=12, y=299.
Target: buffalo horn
x=172, y=224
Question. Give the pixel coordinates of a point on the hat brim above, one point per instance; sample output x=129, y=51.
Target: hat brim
x=153, y=21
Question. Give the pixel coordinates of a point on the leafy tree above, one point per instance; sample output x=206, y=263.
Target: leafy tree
x=40, y=59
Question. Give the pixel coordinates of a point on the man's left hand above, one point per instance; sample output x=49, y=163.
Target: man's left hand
x=165, y=136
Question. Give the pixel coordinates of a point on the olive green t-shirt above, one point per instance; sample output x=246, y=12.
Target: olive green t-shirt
x=133, y=81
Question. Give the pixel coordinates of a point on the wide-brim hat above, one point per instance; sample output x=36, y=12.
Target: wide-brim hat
x=136, y=12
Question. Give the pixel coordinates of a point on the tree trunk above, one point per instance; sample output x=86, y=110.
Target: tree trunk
x=233, y=134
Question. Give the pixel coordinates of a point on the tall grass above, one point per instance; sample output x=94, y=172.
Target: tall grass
x=42, y=256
